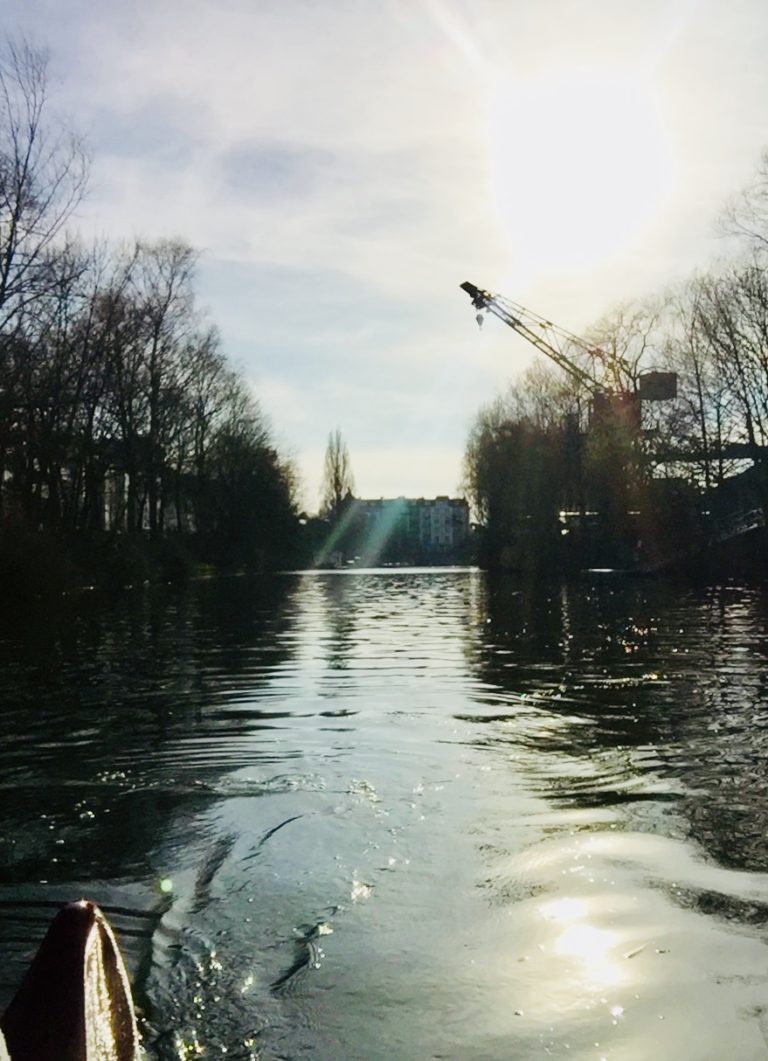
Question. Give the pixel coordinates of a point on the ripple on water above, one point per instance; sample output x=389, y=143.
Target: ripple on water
x=533, y=816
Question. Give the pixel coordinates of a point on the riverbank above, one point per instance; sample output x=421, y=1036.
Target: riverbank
x=42, y=566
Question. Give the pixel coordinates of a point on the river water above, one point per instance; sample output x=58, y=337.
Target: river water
x=403, y=814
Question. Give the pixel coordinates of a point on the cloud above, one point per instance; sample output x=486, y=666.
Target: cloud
x=344, y=166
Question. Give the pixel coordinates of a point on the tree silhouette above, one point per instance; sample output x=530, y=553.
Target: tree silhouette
x=338, y=480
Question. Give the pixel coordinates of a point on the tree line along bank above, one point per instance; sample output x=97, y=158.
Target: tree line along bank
x=128, y=442
x=676, y=484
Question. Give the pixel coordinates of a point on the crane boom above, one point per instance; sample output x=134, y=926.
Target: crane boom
x=547, y=337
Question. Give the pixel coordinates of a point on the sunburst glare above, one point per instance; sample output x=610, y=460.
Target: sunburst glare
x=579, y=167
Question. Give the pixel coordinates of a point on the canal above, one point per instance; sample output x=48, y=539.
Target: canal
x=403, y=814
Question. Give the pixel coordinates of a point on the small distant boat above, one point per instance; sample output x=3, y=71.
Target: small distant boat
x=74, y=1003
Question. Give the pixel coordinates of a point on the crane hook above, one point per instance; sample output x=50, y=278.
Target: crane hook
x=479, y=318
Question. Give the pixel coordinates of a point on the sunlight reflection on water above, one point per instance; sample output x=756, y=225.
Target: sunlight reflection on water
x=404, y=814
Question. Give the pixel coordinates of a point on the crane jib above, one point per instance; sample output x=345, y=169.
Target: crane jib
x=558, y=344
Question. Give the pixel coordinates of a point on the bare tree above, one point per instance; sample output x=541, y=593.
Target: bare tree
x=629, y=335
x=732, y=315
x=163, y=289
x=43, y=173
x=338, y=480
x=118, y=410
x=745, y=215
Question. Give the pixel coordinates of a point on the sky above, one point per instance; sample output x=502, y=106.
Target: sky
x=343, y=165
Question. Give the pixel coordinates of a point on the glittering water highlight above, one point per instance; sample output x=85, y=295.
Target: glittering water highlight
x=403, y=813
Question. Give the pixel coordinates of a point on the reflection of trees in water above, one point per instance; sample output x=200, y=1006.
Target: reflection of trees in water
x=635, y=691
x=374, y=620
x=101, y=710
x=340, y=598
x=722, y=736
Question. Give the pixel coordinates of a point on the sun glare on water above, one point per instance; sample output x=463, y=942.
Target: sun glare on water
x=579, y=167
x=591, y=950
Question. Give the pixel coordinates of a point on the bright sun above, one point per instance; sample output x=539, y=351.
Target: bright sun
x=579, y=167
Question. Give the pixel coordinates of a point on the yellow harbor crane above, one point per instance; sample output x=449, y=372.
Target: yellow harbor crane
x=619, y=401
x=628, y=388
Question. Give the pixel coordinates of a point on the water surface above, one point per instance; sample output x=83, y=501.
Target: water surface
x=403, y=814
